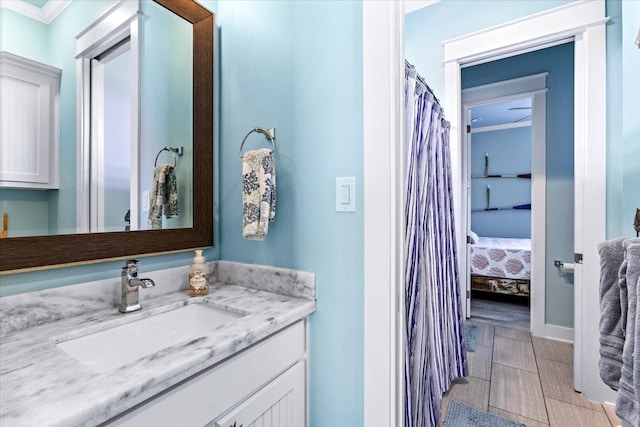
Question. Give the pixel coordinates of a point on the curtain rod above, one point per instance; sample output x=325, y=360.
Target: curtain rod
x=422, y=81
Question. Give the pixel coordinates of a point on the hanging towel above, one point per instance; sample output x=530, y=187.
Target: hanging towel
x=629, y=277
x=258, y=193
x=612, y=321
x=163, y=196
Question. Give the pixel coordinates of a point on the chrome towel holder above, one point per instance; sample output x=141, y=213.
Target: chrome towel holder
x=269, y=134
x=176, y=151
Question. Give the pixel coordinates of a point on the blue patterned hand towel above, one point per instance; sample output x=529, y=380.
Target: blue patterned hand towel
x=258, y=193
x=163, y=196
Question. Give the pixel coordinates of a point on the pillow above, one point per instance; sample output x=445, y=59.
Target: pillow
x=473, y=237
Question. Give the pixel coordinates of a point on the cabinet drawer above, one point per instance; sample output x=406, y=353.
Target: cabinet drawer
x=207, y=395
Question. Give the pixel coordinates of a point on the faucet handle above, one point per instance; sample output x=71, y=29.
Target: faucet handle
x=131, y=264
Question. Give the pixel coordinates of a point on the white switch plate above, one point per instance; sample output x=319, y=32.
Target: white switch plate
x=346, y=194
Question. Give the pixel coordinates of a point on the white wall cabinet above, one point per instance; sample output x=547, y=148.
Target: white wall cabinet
x=262, y=384
x=28, y=123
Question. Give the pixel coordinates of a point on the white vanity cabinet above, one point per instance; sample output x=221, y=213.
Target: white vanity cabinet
x=263, y=385
x=28, y=123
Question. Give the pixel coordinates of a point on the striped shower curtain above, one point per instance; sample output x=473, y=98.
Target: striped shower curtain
x=434, y=335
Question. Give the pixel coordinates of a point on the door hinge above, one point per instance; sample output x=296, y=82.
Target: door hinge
x=468, y=294
x=468, y=239
x=577, y=258
x=468, y=128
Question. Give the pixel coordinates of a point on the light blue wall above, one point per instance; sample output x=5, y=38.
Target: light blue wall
x=509, y=153
x=166, y=104
x=427, y=28
x=297, y=66
x=558, y=62
x=24, y=36
x=623, y=125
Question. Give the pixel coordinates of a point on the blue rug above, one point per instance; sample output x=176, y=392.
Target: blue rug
x=462, y=415
x=471, y=336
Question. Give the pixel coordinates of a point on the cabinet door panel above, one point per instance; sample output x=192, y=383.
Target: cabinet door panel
x=281, y=403
x=28, y=123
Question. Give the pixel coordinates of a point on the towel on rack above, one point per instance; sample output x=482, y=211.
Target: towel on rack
x=258, y=193
x=612, y=318
x=163, y=196
x=629, y=278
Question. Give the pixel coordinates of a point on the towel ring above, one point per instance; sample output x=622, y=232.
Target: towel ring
x=176, y=151
x=269, y=134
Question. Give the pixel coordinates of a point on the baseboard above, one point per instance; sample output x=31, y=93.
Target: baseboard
x=559, y=333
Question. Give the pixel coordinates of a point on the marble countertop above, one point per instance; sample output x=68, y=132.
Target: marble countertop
x=40, y=385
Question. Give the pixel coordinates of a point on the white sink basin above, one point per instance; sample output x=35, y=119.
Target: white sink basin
x=111, y=348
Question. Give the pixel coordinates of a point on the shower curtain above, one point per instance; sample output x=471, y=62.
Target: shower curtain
x=435, y=353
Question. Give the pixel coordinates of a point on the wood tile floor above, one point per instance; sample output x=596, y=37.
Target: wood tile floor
x=486, y=309
x=526, y=379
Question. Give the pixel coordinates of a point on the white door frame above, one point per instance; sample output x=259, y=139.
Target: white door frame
x=383, y=94
x=114, y=25
x=585, y=21
x=383, y=29
x=534, y=87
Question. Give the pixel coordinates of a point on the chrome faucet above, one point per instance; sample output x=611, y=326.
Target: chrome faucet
x=130, y=284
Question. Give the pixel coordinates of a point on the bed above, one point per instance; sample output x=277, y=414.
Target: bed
x=501, y=265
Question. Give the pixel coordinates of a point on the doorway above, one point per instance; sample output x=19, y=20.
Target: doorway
x=551, y=167
x=584, y=21
x=499, y=162
x=524, y=104
x=108, y=57
x=111, y=142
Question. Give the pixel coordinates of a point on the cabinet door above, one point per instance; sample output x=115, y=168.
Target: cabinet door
x=281, y=403
x=28, y=123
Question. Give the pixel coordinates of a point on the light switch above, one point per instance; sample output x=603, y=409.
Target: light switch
x=145, y=201
x=346, y=194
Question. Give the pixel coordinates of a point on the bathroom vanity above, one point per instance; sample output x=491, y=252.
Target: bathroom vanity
x=234, y=357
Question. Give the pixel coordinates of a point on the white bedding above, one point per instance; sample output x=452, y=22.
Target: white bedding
x=501, y=257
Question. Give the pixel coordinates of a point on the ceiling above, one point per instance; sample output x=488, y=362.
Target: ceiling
x=501, y=113
x=36, y=3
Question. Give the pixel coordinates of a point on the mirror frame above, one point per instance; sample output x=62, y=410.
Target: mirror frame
x=41, y=252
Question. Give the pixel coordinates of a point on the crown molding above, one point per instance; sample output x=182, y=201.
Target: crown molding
x=46, y=14
x=413, y=5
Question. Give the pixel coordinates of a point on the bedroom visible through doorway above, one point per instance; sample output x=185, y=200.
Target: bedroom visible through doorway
x=499, y=191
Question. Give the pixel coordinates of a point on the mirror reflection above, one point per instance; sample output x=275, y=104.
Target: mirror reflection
x=123, y=99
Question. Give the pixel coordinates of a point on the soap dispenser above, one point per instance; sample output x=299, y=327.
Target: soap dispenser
x=198, y=276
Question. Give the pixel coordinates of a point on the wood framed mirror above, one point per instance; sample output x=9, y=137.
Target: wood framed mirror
x=39, y=252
